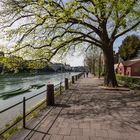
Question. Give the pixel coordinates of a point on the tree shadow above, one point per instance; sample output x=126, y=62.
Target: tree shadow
x=115, y=108
x=62, y=105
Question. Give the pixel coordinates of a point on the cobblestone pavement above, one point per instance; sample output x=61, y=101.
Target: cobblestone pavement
x=88, y=112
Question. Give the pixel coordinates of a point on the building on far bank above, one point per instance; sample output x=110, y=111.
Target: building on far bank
x=129, y=68
x=67, y=67
x=57, y=67
x=79, y=69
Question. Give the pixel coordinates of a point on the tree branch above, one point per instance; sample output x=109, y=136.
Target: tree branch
x=76, y=21
x=134, y=26
x=21, y=17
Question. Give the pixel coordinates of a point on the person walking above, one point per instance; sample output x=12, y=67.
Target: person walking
x=87, y=73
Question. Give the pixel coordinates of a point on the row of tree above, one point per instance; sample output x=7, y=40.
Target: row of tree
x=94, y=61
x=129, y=49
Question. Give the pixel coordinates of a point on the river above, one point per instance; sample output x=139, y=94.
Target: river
x=9, y=83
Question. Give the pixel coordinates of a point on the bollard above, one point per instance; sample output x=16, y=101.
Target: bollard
x=75, y=77
x=84, y=75
x=78, y=76
x=50, y=94
x=72, y=79
x=66, y=83
x=24, y=112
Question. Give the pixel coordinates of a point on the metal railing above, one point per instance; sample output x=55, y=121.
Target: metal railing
x=24, y=101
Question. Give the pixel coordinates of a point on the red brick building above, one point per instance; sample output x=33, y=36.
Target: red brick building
x=130, y=67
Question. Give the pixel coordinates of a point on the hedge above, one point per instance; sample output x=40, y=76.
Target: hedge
x=132, y=82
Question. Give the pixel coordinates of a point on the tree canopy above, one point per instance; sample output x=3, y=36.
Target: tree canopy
x=129, y=47
x=55, y=26
x=15, y=64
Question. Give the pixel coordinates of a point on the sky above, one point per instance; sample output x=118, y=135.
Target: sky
x=77, y=60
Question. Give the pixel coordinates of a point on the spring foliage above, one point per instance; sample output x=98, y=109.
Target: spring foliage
x=56, y=26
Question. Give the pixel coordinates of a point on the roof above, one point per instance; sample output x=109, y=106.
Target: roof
x=130, y=62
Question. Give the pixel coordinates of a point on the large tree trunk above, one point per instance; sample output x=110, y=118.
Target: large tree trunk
x=109, y=77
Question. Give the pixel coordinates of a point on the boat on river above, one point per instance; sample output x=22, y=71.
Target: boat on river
x=14, y=93
x=9, y=94
x=10, y=91
x=37, y=86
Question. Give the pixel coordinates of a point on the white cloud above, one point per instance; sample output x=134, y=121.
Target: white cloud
x=76, y=60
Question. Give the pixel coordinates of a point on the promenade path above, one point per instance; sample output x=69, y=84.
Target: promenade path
x=87, y=111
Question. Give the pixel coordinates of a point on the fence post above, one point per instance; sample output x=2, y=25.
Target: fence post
x=66, y=83
x=24, y=112
x=60, y=88
x=50, y=94
x=72, y=79
x=46, y=96
x=84, y=74
x=76, y=77
x=79, y=75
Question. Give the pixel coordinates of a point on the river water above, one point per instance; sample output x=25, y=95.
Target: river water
x=8, y=83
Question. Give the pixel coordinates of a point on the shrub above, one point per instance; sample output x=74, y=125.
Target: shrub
x=132, y=82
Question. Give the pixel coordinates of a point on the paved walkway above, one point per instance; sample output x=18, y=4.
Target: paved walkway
x=88, y=112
